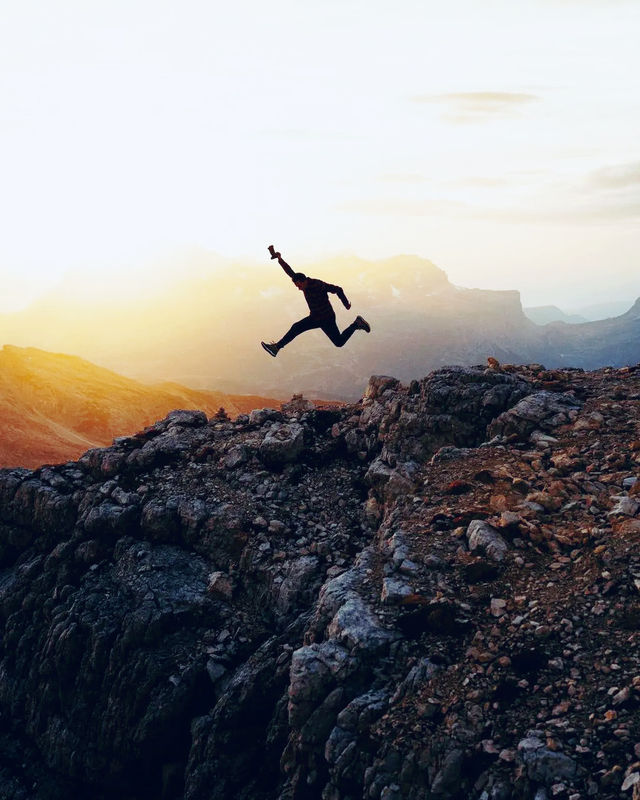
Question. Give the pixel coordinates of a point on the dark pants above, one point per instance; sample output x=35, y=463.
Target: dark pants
x=328, y=325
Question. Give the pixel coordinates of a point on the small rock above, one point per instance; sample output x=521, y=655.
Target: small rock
x=631, y=780
x=498, y=606
x=626, y=506
x=621, y=697
x=485, y=537
x=394, y=589
x=220, y=586
x=276, y=526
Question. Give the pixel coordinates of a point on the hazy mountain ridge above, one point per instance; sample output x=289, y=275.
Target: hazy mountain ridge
x=54, y=407
x=542, y=315
x=615, y=341
x=206, y=330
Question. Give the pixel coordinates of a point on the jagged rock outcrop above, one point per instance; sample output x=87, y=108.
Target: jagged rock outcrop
x=54, y=407
x=432, y=593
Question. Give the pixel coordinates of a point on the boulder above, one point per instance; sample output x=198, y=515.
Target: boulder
x=187, y=419
x=544, y=765
x=378, y=384
x=394, y=589
x=301, y=578
x=261, y=415
x=543, y=411
x=220, y=586
x=389, y=481
x=357, y=627
x=316, y=669
x=484, y=537
x=297, y=405
x=282, y=444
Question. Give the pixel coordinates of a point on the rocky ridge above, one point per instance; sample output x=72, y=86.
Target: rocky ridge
x=54, y=407
x=432, y=593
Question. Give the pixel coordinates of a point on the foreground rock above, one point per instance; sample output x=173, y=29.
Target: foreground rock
x=433, y=593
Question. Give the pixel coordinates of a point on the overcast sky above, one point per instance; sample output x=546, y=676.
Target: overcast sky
x=499, y=139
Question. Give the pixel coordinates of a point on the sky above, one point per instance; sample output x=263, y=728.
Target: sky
x=500, y=140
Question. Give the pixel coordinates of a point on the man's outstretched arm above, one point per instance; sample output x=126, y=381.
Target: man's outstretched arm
x=286, y=267
x=282, y=262
x=338, y=290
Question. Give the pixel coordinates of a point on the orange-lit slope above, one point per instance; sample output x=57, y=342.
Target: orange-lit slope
x=54, y=407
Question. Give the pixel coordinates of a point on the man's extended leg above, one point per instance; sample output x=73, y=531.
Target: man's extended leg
x=331, y=329
x=302, y=325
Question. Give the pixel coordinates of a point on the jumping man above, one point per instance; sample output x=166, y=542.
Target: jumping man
x=321, y=314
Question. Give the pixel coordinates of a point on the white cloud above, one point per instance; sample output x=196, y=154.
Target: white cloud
x=467, y=107
x=620, y=176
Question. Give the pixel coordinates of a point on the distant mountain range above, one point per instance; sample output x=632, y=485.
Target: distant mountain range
x=206, y=330
x=55, y=407
x=604, y=310
x=542, y=315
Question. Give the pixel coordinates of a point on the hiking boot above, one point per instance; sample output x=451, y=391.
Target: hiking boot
x=362, y=324
x=271, y=348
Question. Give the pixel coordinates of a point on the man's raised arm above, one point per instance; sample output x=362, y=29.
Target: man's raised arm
x=285, y=267
x=282, y=262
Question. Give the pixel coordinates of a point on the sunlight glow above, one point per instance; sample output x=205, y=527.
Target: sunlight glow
x=499, y=139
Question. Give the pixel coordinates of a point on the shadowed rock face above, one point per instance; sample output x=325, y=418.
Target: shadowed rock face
x=402, y=598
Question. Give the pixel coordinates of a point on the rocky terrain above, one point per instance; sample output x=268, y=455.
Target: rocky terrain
x=54, y=407
x=432, y=593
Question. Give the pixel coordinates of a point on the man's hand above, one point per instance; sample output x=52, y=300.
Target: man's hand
x=347, y=304
x=272, y=252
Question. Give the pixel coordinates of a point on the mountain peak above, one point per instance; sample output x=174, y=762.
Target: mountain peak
x=634, y=311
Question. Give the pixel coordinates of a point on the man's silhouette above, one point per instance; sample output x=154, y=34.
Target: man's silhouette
x=321, y=314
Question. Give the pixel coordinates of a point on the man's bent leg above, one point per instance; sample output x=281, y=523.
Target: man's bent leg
x=331, y=329
x=296, y=329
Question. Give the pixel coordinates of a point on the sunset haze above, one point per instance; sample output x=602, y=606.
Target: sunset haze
x=498, y=140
